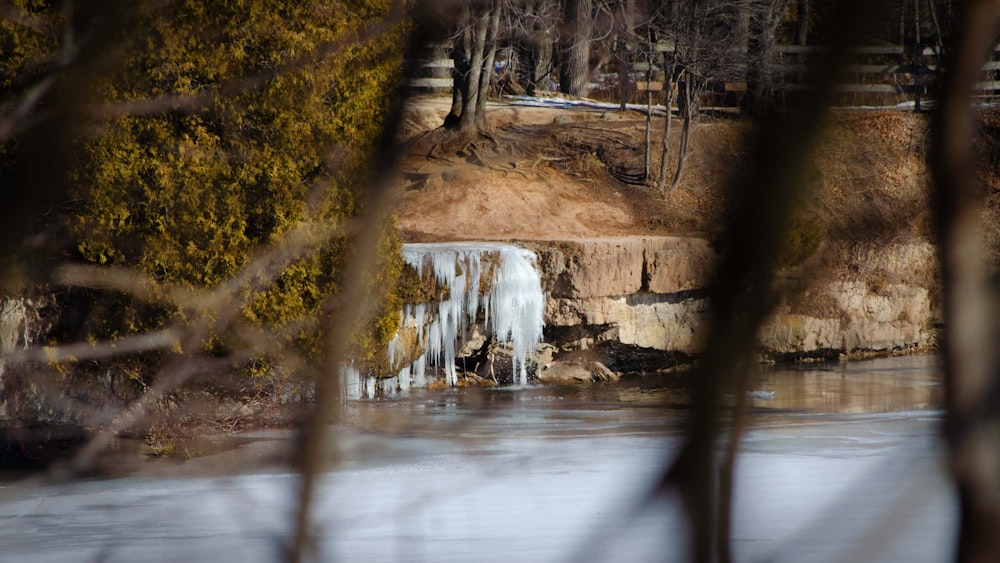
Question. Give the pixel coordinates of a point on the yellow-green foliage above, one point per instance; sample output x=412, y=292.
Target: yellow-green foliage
x=28, y=45
x=28, y=42
x=187, y=195
x=385, y=320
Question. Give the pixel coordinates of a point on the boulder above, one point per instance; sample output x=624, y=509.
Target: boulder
x=576, y=372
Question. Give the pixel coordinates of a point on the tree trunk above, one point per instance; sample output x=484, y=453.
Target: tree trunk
x=543, y=64
x=527, y=56
x=538, y=59
x=621, y=56
x=649, y=122
x=759, y=98
x=460, y=50
x=625, y=38
x=575, y=68
x=803, y=20
x=535, y=48
x=689, y=110
x=936, y=25
x=486, y=75
x=668, y=85
x=902, y=24
x=480, y=29
x=527, y=49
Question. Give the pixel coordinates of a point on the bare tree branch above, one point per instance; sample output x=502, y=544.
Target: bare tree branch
x=315, y=447
x=971, y=301
x=742, y=293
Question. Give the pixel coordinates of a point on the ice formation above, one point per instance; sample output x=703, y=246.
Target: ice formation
x=512, y=307
x=510, y=311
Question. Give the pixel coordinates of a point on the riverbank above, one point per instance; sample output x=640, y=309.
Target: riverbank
x=832, y=453
x=625, y=266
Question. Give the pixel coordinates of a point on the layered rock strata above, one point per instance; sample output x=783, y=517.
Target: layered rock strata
x=645, y=292
x=649, y=293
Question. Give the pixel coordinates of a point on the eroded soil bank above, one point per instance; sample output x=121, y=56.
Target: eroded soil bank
x=624, y=265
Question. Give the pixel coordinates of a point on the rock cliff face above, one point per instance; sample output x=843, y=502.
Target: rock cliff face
x=641, y=303
x=880, y=300
x=648, y=293
x=645, y=292
x=898, y=316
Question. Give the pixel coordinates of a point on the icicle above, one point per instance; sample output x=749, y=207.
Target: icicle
x=419, y=372
x=393, y=350
x=512, y=309
x=388, y=386
x=418, y=318
x=518, y=306
x=350, y=378
x=404, y=379
x=474, y=270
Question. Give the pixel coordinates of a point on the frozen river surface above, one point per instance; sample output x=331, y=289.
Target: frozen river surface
x=545, y=474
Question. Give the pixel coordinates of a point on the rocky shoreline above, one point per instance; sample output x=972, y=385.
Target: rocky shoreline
x=636, y=304
x=641, y=295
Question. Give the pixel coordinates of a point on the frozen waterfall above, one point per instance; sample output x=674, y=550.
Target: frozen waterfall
x=512, y=304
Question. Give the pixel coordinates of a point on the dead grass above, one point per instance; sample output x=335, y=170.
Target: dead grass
x=870, y=179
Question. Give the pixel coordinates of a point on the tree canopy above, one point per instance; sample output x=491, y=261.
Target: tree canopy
x=229, y=124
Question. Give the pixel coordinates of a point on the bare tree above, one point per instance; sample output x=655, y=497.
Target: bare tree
x=473, y=51
x=535, y=33
x=701, y=46
x=625, y=42
x=763, y=19
x=802, y=15
x=574, y=70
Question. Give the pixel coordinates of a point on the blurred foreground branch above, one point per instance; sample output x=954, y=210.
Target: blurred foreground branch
x=315, y=450
x=971, y=299
x=760, y=205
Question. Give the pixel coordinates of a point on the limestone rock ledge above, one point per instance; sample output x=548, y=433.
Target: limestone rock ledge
x=648, y=293
x=617, y=266
x=896, y=316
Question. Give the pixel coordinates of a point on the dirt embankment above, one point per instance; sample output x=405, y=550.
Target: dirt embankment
x=545, y=173
x=549, y=173
x=573, y=175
